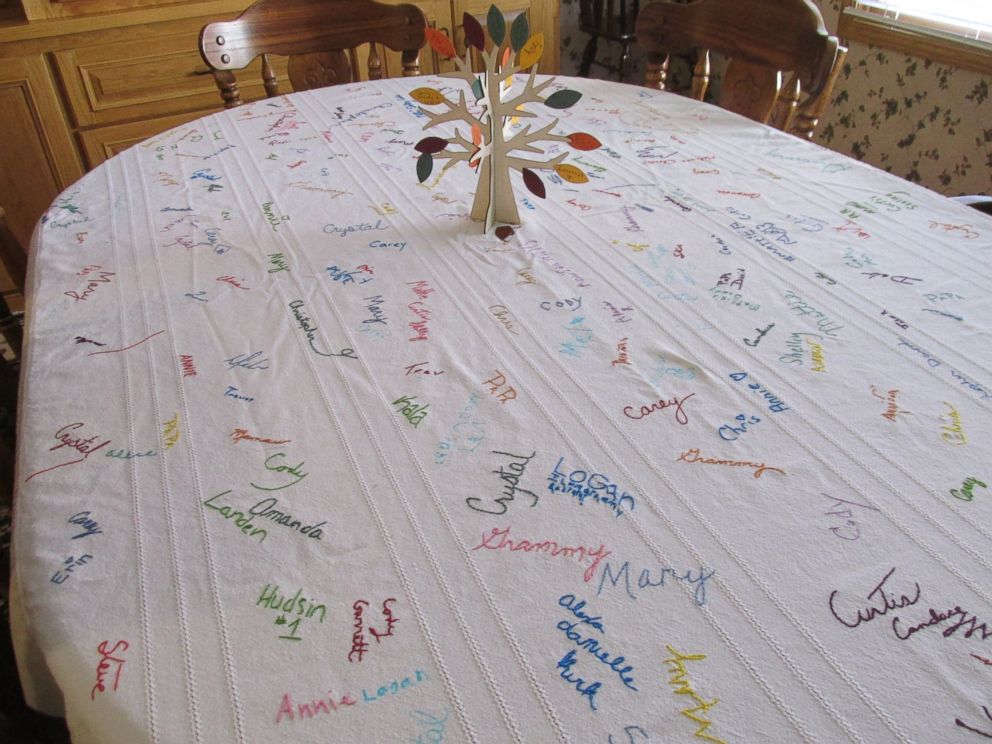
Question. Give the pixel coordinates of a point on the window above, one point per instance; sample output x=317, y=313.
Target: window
x=951, y=32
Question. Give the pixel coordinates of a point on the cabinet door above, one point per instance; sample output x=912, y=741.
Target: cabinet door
x=146, y=77
x=37, y=159
x=542, y=17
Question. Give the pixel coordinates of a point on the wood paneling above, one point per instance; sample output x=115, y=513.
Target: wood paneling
x=38, y=158
x=137, y=79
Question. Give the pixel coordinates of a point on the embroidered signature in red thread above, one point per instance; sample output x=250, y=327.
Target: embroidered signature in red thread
x=92, y=283
x=544, y=546
x=661, y=405
x=387, y=614
x=232, y=281
x=114, y=351
x=359, y=646
x=84, y=446
x=106, y=657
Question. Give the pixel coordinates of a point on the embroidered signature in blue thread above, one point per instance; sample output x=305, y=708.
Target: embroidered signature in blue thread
x=343, y=230
x=248, y=361
x=611, y=495
x=592, y=645
x=90, y=526
x=644, y=581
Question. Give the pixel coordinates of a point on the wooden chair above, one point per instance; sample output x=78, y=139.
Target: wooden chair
x=319, y=37
x=15, y=261
x=612, y=20
x=763, y=40
x=976, y=201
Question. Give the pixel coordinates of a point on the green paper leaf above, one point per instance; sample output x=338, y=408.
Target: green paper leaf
x=533, y=183
x=562, y=99
x=519, y=32
x=496, y=24
x=431, y=145
x=474, y=35
x=477, y=89
x=425, y=164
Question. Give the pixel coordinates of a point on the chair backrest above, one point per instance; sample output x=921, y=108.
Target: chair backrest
x=319, y=37
x=763, y=41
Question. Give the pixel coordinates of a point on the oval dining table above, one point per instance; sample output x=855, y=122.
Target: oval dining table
x=699, y=452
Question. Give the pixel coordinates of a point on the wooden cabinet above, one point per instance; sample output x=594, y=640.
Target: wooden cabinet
x=81, y=80
x=38, y=157
x=542, y=17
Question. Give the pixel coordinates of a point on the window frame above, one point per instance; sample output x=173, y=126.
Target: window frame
x=916, y=39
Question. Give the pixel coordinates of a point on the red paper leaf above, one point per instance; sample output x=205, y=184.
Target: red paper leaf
x=474, y=35
x=583, y=141
x=440, y=42
x=533, y=183
x=431, y=145
x=503, y=232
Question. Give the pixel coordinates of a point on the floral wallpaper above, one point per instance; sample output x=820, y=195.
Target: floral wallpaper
x=918, y=119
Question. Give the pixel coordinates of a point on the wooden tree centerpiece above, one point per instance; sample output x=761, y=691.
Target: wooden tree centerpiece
x=489, y=143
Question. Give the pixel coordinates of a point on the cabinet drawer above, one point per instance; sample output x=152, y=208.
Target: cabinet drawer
x=102, y=143
x=142, y=78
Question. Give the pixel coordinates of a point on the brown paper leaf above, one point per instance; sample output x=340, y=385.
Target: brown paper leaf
x=503, y=232
x=474, y=35
x=431, y=145
x=534, y=183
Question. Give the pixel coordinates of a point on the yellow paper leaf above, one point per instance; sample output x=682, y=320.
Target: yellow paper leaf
x=427, y=96
x=571, y=174
x=532, y=51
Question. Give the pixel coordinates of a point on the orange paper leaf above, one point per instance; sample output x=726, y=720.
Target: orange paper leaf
x=583, y=141
x=440, y=42
x=476, y=134
x=571, y=174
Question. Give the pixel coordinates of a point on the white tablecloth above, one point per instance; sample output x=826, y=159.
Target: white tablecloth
x=700, y=452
